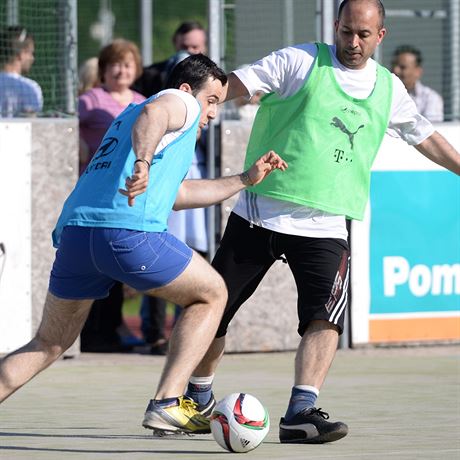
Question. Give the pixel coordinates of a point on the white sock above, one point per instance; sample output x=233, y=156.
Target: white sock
x=308, y=388
x=202, y=380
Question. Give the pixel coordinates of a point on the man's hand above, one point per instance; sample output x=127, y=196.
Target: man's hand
x=199, y=193
x=137, y=183
x=264, y=166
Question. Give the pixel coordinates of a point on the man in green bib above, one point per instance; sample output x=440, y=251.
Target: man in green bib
x=326, y=113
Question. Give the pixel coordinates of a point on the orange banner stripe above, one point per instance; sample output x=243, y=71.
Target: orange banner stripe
x=410, y=329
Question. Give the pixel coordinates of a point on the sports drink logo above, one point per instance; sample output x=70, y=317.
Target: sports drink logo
x=420, y=279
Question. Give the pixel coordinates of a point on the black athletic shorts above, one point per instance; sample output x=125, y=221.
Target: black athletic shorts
x=320, y=267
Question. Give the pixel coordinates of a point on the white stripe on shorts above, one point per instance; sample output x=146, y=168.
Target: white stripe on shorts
x=342, y=302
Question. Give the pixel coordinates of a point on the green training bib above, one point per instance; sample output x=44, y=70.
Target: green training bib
x=328, y=138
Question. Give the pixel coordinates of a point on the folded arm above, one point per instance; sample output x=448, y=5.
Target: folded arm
x=200, y=193
x=166, y=113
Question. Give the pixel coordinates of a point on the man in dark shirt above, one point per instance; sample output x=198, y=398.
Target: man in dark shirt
x=189, y=38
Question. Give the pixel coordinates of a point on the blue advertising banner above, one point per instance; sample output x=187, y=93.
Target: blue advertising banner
x=415, y=242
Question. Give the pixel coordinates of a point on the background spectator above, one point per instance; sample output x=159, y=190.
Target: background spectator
x=19, y=96
x=407, y=65
x=88, y=78
x=191, y=37
x=88, y=75
x=119, y=64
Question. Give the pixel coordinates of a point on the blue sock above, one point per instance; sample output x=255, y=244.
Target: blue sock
x=200, y=389
x=302, y=397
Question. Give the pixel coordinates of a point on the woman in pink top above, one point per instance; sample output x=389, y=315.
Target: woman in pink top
x=119, y=65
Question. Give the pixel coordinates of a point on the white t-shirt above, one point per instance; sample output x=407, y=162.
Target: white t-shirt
x=19, y=95
x=285, y=72
x=193, y=110
x=429, y=103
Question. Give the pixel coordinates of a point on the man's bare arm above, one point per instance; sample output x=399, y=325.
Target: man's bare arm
x=166, y=113
x=437, y=149
x=235, y=88
x=200, y=193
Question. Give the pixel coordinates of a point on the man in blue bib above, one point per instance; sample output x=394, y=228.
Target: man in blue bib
x=113, y=228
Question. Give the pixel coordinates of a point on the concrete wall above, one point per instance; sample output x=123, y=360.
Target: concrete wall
x=53, y=156
x=54, y=174
x=268, y=320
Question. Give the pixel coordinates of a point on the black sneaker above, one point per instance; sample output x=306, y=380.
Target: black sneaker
x=310, y=426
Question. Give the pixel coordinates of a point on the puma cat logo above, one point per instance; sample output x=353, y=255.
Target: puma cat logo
x=338, y=123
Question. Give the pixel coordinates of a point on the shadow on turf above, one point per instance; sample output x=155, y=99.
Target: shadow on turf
x=106, y=451
x=108, y=436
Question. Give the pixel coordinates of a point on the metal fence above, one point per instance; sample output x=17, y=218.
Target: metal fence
x=52, y=23
x=244, y=31
x=252, y=29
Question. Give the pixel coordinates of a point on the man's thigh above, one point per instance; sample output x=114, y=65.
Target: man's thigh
x=243, y=258
x=199, y=282
x=321, y=271
x=63, y=320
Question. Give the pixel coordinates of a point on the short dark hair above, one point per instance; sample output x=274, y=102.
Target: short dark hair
x=195, y=70
x=378, y=4
x=13, y=40
x=187, y=27
x=402, y=49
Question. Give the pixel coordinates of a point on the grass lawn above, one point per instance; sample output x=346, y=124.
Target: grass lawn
x=132, y=306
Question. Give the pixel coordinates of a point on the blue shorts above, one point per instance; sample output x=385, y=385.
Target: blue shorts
x=89, y=260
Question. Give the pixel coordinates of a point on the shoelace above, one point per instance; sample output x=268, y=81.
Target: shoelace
x=188, y=405
x=315, y=411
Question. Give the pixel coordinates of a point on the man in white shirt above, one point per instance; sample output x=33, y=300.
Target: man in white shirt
x=407, y=65
x=311, y=234
x=19, y=96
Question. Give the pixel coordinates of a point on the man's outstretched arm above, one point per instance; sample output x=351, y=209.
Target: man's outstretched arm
x=200, y=193
x=437, y=149
x=235, y=88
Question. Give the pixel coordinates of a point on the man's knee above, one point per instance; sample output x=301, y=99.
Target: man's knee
x=216, y=292
x=50, y=348
x=318, y=325
x=53, y=344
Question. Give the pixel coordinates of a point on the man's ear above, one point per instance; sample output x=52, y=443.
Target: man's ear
x=336, y=25
x=186, y=87
x=382, y=32
x=419, y=72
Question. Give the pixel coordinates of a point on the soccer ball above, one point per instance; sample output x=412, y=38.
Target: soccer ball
x=239, y=422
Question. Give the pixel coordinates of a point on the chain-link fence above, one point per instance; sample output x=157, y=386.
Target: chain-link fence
x=431, y=26
x=249, y=30
x=50, y=26
x=253, y=29
x=57, y=25
x=102, y=20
